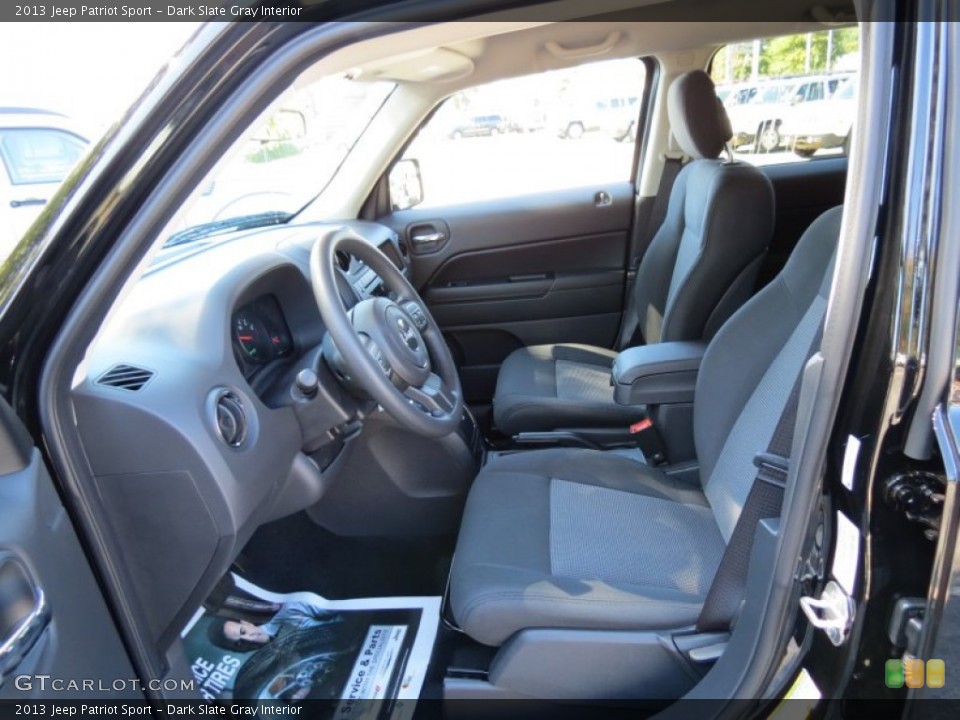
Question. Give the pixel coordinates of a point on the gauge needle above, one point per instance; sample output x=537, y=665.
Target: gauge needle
x=244, y=338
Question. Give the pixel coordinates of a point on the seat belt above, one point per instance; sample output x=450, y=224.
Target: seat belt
x=765, y=500
x=672, y=165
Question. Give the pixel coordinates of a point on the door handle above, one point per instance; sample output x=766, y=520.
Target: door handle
x=24, y=613
x=28, y=201
x=427, y=238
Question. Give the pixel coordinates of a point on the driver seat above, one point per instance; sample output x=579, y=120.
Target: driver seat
x=591, y=540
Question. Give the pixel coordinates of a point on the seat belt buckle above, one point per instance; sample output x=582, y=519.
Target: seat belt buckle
x=649, y=441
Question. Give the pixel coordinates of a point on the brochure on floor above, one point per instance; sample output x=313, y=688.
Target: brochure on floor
x=366, y=658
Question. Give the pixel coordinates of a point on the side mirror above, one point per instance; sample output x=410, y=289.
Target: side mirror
x=406, y=184
x=284, y=125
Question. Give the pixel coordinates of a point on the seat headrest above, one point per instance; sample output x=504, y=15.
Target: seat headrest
x=697, y=117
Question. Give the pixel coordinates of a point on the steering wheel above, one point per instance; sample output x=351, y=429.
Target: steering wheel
x=392, y=349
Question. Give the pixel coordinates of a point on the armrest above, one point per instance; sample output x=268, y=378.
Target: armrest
x=665, y=373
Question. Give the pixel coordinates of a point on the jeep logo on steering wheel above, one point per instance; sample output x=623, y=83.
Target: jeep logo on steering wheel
x=408, y=334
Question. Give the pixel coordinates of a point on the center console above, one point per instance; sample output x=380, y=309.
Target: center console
x=665, y=373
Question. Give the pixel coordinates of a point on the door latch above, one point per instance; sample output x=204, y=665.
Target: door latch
x=833, y=612
x=919, y=497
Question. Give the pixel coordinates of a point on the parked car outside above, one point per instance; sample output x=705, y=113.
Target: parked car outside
x=479, y=126
x=823, y=124
x=762, y=110
x=739, y=94
x=760, y=120
x=38, y=148
x=612, y=116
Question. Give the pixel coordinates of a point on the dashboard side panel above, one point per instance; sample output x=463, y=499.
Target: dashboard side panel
x=164, y=474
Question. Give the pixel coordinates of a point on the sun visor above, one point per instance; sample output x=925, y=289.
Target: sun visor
x=437, y=65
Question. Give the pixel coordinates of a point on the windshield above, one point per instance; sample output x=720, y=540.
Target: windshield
x=284, y=160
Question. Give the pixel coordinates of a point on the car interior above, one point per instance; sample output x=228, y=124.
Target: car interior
x=551, y=409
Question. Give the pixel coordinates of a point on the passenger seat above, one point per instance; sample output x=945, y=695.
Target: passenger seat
x=700, y=267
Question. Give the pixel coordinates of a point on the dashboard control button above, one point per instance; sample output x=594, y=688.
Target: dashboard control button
x=416, y=314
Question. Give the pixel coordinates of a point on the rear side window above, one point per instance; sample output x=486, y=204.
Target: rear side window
x=790, y=98
x=39, y=155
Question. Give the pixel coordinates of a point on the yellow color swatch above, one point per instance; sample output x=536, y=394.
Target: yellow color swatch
x=936, y=672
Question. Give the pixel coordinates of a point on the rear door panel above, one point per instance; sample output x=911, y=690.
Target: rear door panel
x=520, y=271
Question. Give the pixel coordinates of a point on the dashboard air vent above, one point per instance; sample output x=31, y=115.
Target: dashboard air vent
x=231, y=419
x=126, y=377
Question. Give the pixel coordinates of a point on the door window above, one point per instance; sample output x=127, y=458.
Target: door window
x=39, y=155
x=550, y=131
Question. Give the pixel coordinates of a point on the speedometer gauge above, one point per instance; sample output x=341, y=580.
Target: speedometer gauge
x=252, y=337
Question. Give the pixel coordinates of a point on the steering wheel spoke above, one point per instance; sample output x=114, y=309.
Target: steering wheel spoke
x=376, y=353
x=433, y=396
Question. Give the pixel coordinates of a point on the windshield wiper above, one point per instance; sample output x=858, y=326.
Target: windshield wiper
x=216, y=227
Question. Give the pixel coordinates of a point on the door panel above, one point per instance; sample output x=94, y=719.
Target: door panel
x=482, y=235
x=503, y=274
x=75, y=638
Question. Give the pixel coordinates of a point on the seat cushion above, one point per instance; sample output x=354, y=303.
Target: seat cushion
x=547, y=387
x=581, y=539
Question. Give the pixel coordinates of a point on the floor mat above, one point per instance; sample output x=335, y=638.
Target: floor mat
x=296, y=554
x=360, y=658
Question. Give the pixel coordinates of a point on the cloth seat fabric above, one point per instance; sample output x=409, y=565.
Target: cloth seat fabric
x=546, y=387
x=549, y=540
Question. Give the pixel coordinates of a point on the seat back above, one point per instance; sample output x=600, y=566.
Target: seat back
x=750, y=368
x=703, y=261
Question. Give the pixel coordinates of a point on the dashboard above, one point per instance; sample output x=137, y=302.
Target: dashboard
x=210, y=445
x=260, y=332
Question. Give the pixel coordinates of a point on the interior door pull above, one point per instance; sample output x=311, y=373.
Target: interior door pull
x=24, y=613
x=528, y=278
x=27, y=201
x=427, y=238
